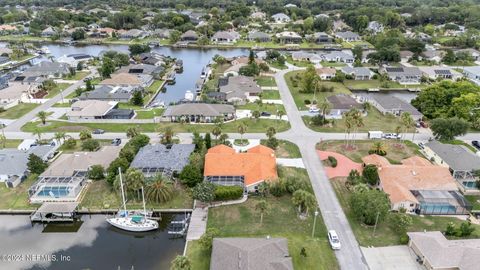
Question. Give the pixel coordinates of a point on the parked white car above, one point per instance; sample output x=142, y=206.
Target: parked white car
x=314, y=110
x=391, y=136
x=333, y=240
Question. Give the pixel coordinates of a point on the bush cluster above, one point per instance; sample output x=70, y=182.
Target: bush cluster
x=225, y=193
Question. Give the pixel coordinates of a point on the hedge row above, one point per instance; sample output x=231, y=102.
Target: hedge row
x=225, y=193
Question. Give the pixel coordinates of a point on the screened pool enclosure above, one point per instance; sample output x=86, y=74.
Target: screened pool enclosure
x=57, y=188
x=441, y=202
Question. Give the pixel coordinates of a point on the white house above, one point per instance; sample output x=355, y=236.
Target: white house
x=281, y=18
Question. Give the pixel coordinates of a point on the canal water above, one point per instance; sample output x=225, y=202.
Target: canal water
x=90, y=244
x=193, y=61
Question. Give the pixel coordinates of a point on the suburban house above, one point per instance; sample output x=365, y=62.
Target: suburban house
x=162, y=33
x=320, y=37
x=73, y=59
x=348, y=36
x=66, y=177
x=223, y=166
x=97, y=109
x=250, y=253
x=338, y=56
x=14, y=93
x=190, y=35
x=147, y=69
x=472, y=73
x=403, y=75
x=110, y=93
x=460, y=160
x=156, y=159
x=199, y=112
x=387, y=103
x=417, y=185
x=339, y=25
x=358, y=73
x=433, y=55
x=47, y=69
x=439, y=72
x=258, y=15
x=281, y=18
x=240, y=89
x=133, y=34
x=128, y=79
x=306, y=56
x=472, y=52
x=48, y=32
x=435, y=252
x=152, y=58
x=104, y=32
x=341, y=104
x=13, y=162
x=225, y=37
x=326, y=73
x=405, y=56
x=258, y=36
x=233, y=70
x=375, y=27
x=289, y=37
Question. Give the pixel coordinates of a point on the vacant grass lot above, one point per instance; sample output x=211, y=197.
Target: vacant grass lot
x=300, y=98
x=149, y=113
x=17, y=198
x=360, y=85
x=385, y=235
x=271, y=94
x=396, y=150
x=259, y=125
x=18, y=110
x=78, y=76
x=11, y=143
x=265, y=81
x=285, y=149
x=264, y=107
x=56, y=90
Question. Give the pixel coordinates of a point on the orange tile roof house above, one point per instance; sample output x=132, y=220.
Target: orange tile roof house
x=223, y=166
x=419, y=186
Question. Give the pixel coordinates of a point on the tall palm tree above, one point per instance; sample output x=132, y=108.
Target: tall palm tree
x=134, y=180
x=324, y=107
x=242, y=129
x=38, y=133
x=42, y=115
x=59, y=136
x=262, y=207
x=216, y=131
x=159, y=190
x=348, y=127
x=356, y=118
x=304, y=200
x=256, y=114
x=3, y=140
x=167, y=135
x=223, y=138
x=132, y=132
x=407, y=122
x=271, y=132
x=181, y=263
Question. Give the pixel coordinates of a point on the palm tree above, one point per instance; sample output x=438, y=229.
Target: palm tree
x=85, y=134
x=43, y=116
x=3, y=140
x=134, y=180
x=261, y=207
x=304, y=200
x=324, y=107
x=280, y=114
x=256, y=114
x=271, y=132
x=357, y=118
x=167, y=135
x=348, y=127
x=181, y=263
x=159, y=190
x=361, y=187
x=132, y=132
x=216, y=131
x=38, y=133
x=223, y=138
x=407, y=122
x=242, y=129
x=59, y=136
x=379, y=148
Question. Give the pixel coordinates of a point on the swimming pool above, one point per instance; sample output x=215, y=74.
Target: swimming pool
x=55, y=192
x=439, y=209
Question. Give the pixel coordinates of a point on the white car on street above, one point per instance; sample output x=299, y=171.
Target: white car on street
x=333, y=240
x=391, y=136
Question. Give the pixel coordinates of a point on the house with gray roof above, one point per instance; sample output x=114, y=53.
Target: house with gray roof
x=110, y=93
x=133, y=34
x=156, y=159
x=403, y=75
x=225, y=37
x=434, y=251
x=142, y=69
x=439, y=72
x=341, y=104
x=48, y=32
x=338, y=56
x=152, y=58
x=289, y=37
x=281, y=18
x=198, y=112
x=258, y=36
x=250, y=254
x=161, y=33
x=472, y=73
x=240, y=89
x=13, y=162
x=306, y=56
x=347, y=36
x=320, y=37
x=190, y=35
x=358, y=73
x=389, y=104
x=460, y=160
x=47, y=69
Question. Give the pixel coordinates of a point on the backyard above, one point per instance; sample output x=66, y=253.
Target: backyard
x=149, y=113
x=367, y=84
x=18, y=110
x=17, y=198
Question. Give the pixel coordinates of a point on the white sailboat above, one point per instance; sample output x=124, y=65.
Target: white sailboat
x=132, y=223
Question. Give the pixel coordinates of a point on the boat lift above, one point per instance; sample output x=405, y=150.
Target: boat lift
x=55, y=212
x=179, y=227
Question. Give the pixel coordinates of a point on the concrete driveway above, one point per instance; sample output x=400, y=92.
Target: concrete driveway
x=390, y=258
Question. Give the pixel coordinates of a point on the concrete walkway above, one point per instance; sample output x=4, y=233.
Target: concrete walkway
x=291, y=162
x=198, y=223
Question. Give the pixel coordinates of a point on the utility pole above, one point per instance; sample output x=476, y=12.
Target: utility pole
x=314, y=222
x=376, y=222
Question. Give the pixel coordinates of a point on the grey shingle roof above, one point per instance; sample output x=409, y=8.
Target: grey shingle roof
x=250, y=254
x=158, y=156
x=357, y=71
x=14, y=162
x=203, y=109
x=390, y=102
x=107, y=92
x=238, y=86
x=458, y=157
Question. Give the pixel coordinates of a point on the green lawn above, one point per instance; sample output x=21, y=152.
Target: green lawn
x=78, y=146
x=270, y=94
x=385, y=235
x=78, y=76
x=266, y=81
x=298, y=63
x=217, y=72
x=56, y=90
x=475, y=201
x=396, y=150
x=61, y=105
x=18, y=110
x=12, y=143
x=300, y=98
x=17, y=198
x=354, y=84
x=101, y=195
x=373, y=121
x=276, y=65
x=264, y=107
x=259, y=125
x=285, y=149
x=332, y=64
x=149, y=113
x=154, y=87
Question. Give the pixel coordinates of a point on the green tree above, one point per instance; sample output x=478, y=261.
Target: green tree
x=378, y=148
x=90, y=145
x=208, y=141
x=206, y=239
x=136, y=49
x=204, y=192
x=89, y=86
x=191, y=175
x=466, y=229
x=451, y=229
x=309, y=80
x=181, y=262
x=304, y=200
x=447, y=129
x=36, y=165
x=132, y=132
x=370, y=174
x=216, y=131
x=3, y=140
x=174, y=36
x=108, y=67
x=270, y=132
x=272, y=142
x=354, y=178
x=407, y=122
x=159, y=190
x=85, y=134
x=369, y=204
x=361, y=23
x=96, y=172
x=137, y=98
x=59, y=136
x=242, y=129
x=357, y=53
x=42, y=115
x=256, y=115
x=449, y=57
x=134, y=180
x=78, y=34
x=262, y=208
x=401, y=222
x=70, y=143
x=167, y=136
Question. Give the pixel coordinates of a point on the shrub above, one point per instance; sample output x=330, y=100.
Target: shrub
x=370, y=174
x=70, y=143
x=90, y=145
x=96, y=172
x=333, y=161
x=225, y=193
x=307, y=102
x=277, y=188
x=191, y=175
x=319, y=120
x=292, y=184
x=404, y=239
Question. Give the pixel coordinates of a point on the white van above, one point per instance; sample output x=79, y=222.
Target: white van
x=375, y=134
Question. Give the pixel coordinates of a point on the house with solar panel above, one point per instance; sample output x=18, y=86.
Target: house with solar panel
x=438, y=72
x=403, y=75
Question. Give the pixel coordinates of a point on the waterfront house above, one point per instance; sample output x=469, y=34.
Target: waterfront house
x=110, y=93
x=347, y=36
x=320, y=37
x=128, y=79
x=326, y=73
x=434, y=251
x=403, y=75
x=305, y=56
x=48, y=32
x=461, y=161
x=390, y=104
x=97, y=109
x=156, y=159
x=66, y=177
x=258, y=36
x=152, y=58
x=190, y=35
x=133, y=34
x=72, y=60
x=289, y=37
x=281, y=18
x=104, y=32
x=225, y=37
x=439, y=72
x=145, y=69
x=474, y=54
x=161, y=33
x=47, y=69
x=358, y=73
x=233, y=70
x=223, y=166
x=341, y=104
x=338, y=56
x=250, y=253
x=417, y=185
x=199, y=112
x=240, y=89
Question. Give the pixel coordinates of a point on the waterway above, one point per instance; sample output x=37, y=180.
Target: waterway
x=90, y=244
x=193, y=62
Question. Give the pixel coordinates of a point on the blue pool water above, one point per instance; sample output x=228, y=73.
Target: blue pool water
x=56, y=192
x=438, y=209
